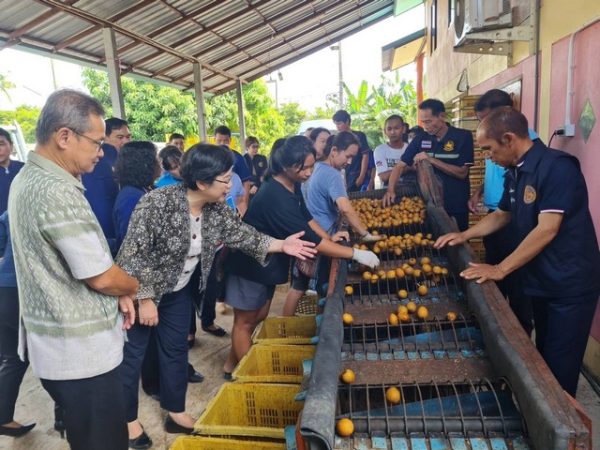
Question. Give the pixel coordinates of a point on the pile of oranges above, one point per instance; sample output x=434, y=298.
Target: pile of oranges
x=422, y=269
x=409, y=211
x=398, y=245
x=404, y=313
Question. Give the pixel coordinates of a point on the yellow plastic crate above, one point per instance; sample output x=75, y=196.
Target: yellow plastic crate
x=210, y=443
x=273, y=364
x=308, y=305
x=286, y=330
x=251, y=409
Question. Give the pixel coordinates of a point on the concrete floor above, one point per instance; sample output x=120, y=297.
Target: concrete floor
x=34, y=404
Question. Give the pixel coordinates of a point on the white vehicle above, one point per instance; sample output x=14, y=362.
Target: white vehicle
x=317, y=123
x=19, y=146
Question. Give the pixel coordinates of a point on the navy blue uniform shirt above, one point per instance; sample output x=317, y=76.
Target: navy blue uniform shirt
x=240, y=167
x=353, y=169
x=455, y=148
x=101, y=190
x=7, y=175
x=548, y=180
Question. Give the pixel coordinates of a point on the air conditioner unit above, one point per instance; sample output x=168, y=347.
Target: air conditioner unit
x=473, y=16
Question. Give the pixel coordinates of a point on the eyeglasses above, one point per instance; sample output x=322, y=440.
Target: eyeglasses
x=98, y=143
x=230, y=181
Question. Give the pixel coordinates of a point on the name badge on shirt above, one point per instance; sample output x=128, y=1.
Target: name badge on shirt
x=426, y=144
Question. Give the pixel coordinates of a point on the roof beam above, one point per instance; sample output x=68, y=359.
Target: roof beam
x=280, y=33
x=286, y=59
x=14, y=35
x=79, y=36
x=124, y=31
x=310, y=30
x=170, y=25
x=219, y=23
x=208, y=29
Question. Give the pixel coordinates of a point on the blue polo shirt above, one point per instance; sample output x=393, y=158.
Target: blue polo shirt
x=493, y=182
x=7, y=175
x=240, y=167
x=101, y=190
x=548, y=180
x=455, y=148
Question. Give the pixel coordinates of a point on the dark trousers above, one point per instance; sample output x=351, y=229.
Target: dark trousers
x=12, y=369
x=562, y=328
x=497, y=247
x=462, y=220
x=94, y=413
x=206, y=301
x=171, y=340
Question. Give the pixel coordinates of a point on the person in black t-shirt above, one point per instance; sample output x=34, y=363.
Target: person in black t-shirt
x=356, y=172
x=277, y=208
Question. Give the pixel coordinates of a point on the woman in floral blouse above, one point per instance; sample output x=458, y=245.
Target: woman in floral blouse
x=174, y=232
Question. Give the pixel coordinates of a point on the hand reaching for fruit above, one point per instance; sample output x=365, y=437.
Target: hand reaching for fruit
x=365, y=257
x=367, y=238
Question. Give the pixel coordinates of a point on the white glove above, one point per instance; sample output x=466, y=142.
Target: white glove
x=365, y=257
x=370, y=238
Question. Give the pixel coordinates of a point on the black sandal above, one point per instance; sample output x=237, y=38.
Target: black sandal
x=218, y=331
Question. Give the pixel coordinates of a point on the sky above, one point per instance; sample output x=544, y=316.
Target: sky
x=307, y=82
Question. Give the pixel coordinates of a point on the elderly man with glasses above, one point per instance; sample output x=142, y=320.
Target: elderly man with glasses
x=70, y=290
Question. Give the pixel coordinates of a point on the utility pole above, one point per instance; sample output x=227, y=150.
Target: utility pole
x=338, y=47
x=340, y=76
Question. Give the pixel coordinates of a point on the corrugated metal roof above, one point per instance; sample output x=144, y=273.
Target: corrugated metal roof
x=232, y=39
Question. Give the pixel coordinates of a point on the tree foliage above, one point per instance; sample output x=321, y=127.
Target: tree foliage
x=154, y=111
x=26, y=117
x=370, y=106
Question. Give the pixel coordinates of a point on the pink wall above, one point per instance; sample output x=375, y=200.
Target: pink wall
x=525, y=71
x=586, y=83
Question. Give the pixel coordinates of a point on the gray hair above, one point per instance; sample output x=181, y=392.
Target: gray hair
x=66, y=108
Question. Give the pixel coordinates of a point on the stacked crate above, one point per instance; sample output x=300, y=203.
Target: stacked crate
x=260, y=409
x=463, y=116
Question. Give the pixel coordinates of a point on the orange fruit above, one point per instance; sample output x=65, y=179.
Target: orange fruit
x=444, y=271
x=422, y=290
x=392, y=395
x=344, y=427
x=437, y=270
x=374, y=278
x=400, y=273
x=417, y=273
x=427, y=268
x=422, y=313
x=349, y=290
x=393, y=319
x=391, y=274
x=412, y=261
x=403, y=293
x=404, y=317
x=451, y=316
x=402, y=310
x=347, y=318
x=409, y=271
x=411, y=306
x=366, y=276
x=348, y=376
x=425, y=260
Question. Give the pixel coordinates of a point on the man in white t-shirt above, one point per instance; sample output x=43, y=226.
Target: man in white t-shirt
x=387, y=155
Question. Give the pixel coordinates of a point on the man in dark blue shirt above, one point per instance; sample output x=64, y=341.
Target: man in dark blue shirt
x=358, y=169
x=9, y=168
x=545, y=196
x=223, y=137
x=450, y=152
x=101, y=189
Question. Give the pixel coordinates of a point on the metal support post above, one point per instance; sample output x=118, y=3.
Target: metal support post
x=114, y=72
x=199, y=92
x=242, y=122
